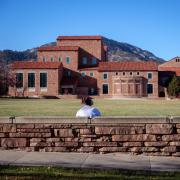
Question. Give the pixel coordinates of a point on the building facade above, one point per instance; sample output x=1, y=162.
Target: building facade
x=78, y=65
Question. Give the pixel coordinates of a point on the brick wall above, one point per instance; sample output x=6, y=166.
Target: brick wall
x=53, y=83
x=139, y=135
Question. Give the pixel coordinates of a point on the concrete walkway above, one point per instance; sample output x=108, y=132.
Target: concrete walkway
x=85, y=160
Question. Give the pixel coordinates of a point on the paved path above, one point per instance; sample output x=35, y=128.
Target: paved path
x=85, y=160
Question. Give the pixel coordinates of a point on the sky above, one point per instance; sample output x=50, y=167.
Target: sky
x=153, y=25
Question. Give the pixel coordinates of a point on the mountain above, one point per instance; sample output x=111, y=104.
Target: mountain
x=117, y=51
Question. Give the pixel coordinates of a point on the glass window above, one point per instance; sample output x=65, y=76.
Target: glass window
x=130, y=73
x=59, y=59
x=137, y=73
x=19, y=80
x=105, y=88
x=67, y=60
x=105, y=75
x=91, y=74
x=116, y=73
x=94, y=60
x=149, y=75
x=83, y=74
x=43, y=80
x=124, y=73
x=31, y=80
x=149, y=88
x=44, y=59
x=52, y=59
x=84, y=60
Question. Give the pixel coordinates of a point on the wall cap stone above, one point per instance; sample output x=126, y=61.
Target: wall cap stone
x=98, y=120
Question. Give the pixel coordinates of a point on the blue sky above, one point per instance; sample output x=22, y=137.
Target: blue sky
x=153, y=25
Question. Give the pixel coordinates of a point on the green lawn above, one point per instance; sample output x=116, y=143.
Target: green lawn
x=47, y=173
x=108, y=107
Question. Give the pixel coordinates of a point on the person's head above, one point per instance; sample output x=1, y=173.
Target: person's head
x=87, y=101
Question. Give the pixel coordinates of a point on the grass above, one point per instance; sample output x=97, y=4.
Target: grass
x=108, y=107
x=46, y=173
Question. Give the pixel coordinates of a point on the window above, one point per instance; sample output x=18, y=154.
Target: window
x=67, y=60
x=130, y=73
x=19, y=80
x=59, y=59
x=94, y=61
x=84, y=60
x=91, y=74
x=44, y=59
x=149, y=75
x=124, y=73
x=68, y=73
x=150, y=89
x=105, y=88
x=83, y=74
x=177, y=60
x=116, y=73
x=52, y=59
x=31, y=80
x=43, y=80
x=137, y=73
x=105, y=75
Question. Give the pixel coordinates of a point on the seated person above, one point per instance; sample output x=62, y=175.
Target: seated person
x=87, y=110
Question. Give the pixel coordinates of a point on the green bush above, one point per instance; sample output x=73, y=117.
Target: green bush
x=173, y=88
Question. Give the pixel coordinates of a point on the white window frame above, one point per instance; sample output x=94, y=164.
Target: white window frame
x=69, y=60
x=151, y=75
x=104, y=74
x=52, y=59
x=83, y=72
x=92, y=74
x=43, y=89
x=31, y=89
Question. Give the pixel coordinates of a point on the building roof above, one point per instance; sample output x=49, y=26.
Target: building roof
x=79, y=37
x=173, y=69
x=58, y=48
x=36, y=65
x=128, y=66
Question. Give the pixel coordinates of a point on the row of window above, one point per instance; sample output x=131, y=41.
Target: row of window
x=105, y=89
x=68, y=60
x=91, y=74
x=149, y=74
x=31, y=80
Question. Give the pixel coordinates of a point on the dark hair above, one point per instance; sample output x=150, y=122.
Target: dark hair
x=87, y=100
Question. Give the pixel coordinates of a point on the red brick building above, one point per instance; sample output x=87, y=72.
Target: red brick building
x=78, y=65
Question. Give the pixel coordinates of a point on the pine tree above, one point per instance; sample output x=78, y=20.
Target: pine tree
x=173, y=88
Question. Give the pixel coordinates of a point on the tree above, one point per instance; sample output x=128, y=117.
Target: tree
x=173, y=88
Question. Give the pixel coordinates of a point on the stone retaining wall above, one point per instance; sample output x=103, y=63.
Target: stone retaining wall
x=147, y=135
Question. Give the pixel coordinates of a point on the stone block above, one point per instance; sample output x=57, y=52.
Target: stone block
x=7, y=128
x=132, y=144
x=174, y=137
x=41, y=144
x=104, y=138
x=119, y=130
x=156, y=144
x=169, y=149
x=63, y=133
x=13, y=142
x=178, y=126
x=86, y=131
x=150, y=149
x=136, y=150
x=136, y=138
x=176, y=154
x=175, y=143
x=56, y=149
x=66, y=144
x=37, y=140
x=24, y=126
x=54, y=139
x=178, y=131
x=113, y=149
x=100, y=144
x=159, y=128
x=156, y=154
x=86, y=149
x=2, y=135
